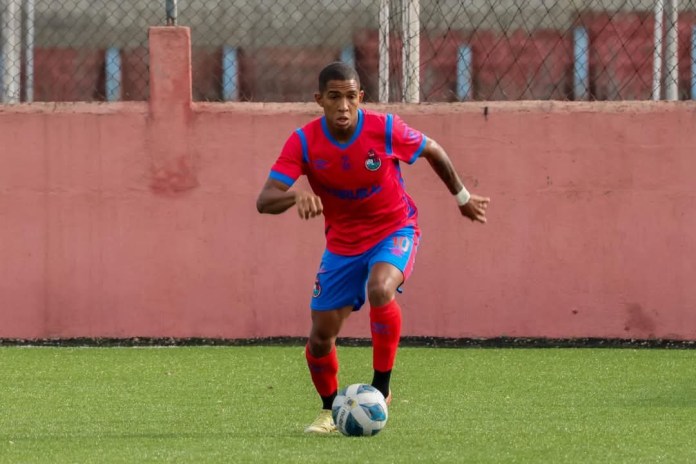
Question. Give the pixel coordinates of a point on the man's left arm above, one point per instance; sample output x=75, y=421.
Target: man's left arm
x=470, y=205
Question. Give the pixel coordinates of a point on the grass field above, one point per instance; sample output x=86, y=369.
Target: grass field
x=250, y=404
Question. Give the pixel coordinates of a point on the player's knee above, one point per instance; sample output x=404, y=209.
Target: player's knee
x=379, y=293
x=320, y=346
x=321, y=341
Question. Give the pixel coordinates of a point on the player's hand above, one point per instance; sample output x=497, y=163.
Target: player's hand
x=308, y=204
x=475, y=209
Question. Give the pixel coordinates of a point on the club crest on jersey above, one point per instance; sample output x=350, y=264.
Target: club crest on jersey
x=316, y=291
x=372, y=163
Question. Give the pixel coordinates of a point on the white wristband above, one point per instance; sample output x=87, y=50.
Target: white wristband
x=463, y=196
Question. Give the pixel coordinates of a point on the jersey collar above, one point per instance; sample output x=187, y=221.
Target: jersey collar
x=358, y=129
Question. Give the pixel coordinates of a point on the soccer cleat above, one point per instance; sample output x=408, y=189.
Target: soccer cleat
x=388, y=398
x=323, y=424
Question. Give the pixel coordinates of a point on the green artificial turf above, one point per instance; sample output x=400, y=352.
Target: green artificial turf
x=250, y=405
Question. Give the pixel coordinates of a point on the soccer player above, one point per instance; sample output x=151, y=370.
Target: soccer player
x=352, y=159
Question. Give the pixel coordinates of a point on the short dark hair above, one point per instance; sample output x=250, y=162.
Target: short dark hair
x=337, y=71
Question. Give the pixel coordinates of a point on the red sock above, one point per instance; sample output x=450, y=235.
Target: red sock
x=385, y=325
x=324, y=371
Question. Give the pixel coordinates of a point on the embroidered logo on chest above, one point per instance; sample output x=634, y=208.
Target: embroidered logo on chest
x=372, y=163
x=345, y=163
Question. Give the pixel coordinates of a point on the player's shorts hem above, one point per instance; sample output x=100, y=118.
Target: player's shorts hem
x=399, y=289
x=393, y=263
x=333, y=307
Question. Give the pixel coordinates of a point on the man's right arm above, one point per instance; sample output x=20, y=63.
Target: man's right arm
x=276, y=198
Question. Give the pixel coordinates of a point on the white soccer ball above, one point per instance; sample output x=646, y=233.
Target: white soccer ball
x=359, y=410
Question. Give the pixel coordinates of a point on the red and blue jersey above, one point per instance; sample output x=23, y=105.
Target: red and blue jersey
x=359, y=181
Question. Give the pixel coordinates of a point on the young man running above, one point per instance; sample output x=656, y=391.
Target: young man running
x=352, y=158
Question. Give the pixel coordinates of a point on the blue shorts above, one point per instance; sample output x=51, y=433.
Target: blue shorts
x=341, y=280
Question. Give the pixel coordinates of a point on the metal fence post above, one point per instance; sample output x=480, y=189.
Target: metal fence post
x=411, y=50
x=657, y=52
x=11, y=50
x=171, y=6
x=29, y=32
x=672, y=52
x=383, y=92
x=693, y=63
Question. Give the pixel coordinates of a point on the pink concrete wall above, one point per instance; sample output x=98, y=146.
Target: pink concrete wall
x=137, y=219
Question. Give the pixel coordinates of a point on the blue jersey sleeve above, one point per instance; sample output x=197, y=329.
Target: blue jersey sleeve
x=290, y=164
x=405, y=143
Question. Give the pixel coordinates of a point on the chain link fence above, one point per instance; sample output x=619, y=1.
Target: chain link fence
x=404, y=50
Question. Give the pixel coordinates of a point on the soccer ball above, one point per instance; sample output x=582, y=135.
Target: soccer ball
x=359, y=410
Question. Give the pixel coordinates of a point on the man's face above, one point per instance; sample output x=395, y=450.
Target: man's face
x=340, y=102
